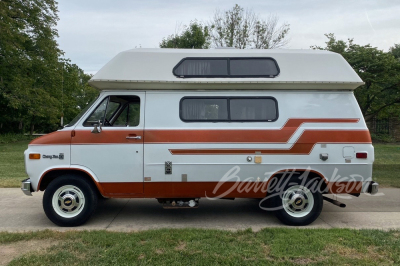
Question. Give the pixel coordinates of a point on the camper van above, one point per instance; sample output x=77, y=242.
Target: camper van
x=186, y=125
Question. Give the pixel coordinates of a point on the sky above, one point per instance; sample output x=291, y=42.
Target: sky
x=91, y=32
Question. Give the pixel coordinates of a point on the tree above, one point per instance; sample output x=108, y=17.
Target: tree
x=395, y=51
x=193, y=36
x=242, y=29
x=76, y=92
x=32, y=72
x=379, y=70
x=28, y=58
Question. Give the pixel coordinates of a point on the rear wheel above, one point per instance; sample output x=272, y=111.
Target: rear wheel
x=69, y=200
x=299, y=202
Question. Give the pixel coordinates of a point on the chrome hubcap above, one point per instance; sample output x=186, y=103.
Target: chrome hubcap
x=68, y=201
x=298, y=201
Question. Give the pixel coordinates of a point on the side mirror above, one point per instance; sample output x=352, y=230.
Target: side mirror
x=97, y=128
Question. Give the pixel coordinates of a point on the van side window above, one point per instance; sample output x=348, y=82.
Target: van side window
x=253, y=67
x=232, y=67
x=116, y=111
x=253, y=109
x=129, y=116
x=202, y=109
x=98, y=114
x=228, y=109
x=202, y=67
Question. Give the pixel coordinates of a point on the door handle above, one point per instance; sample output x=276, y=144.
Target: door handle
x=133, y=137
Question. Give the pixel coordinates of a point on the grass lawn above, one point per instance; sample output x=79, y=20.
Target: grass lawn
x=272, y=246
x=12, y=169
x=387, y=165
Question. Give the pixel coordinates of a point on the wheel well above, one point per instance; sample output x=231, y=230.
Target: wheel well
x=310, y=174
x=51, y=175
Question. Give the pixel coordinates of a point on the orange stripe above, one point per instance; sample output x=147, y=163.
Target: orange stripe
x=302, y=146
x=114, y=189
x=242, y=136
x=107, y=137
x=353, y=187
x=202, y=189
x=110, y=136
x=54, y=138
x=198, y=189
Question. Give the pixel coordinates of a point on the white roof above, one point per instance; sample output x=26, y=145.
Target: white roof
x=299, y=69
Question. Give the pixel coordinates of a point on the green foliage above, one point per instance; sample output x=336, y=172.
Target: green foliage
x=76, y=92
x=386, y=138
x=395, y=51
x=32, y=71
x=379, y=70
x=193, y=36
x=235, y=27
x=242, y=29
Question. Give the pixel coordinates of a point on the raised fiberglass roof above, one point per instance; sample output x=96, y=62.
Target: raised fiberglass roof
x=298, y=69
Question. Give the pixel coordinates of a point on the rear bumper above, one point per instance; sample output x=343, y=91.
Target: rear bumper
x=373, y=188
x=26, y=187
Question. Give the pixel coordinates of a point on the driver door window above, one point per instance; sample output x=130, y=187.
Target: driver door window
x=116, y=111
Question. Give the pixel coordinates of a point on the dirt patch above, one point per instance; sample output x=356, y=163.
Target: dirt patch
x=352, y=253
x=266, y=250
x=8, y=252
x=159, y=251
x=303, y=261
x=181, y=246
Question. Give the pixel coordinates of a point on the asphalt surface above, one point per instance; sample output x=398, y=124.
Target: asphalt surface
x=23, y=213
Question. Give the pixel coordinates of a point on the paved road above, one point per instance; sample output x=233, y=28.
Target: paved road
x=19, y=212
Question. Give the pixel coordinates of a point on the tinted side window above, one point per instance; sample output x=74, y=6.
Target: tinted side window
x=228, y=109
x=116, y=111
x=202, y=67
x=112, y=109
x=204, y=109
x=98, y=114
x=129, y=116
x=253, y=67
x=253, y=109
x=232, y=67
x=133, y=114
x=122, y=118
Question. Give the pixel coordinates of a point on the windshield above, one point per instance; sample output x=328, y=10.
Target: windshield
x=73, y=122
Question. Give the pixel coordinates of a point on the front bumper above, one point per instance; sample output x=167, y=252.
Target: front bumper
x=26, y=187
x=373, y=188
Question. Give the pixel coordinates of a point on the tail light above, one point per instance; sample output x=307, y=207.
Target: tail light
x=362, y=155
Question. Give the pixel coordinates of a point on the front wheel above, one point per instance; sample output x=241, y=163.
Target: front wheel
x=69, y=200
x=299, y=203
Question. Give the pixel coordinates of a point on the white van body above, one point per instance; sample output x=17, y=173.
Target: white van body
x=176, y=154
